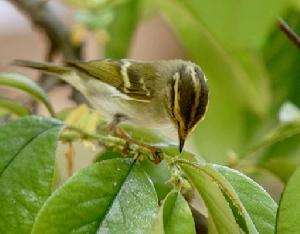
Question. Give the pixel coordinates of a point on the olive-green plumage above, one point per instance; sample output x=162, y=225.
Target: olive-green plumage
x=152, y=94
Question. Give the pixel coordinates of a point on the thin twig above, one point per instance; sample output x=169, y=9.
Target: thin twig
x=110, y=142
x=289, y=32
x=59, y=36
x=43, y=17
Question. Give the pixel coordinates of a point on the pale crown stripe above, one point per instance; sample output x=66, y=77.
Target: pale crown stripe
x=177, y=113
x=193, y=74
x=197, y=89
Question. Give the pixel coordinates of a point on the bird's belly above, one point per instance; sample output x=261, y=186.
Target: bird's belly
x=109, y=101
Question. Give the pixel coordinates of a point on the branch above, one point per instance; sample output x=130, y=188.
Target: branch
x=59, y=36
x=289, y=32
x=39, y=12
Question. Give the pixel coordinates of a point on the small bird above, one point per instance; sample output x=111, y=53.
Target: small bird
x=150, y=94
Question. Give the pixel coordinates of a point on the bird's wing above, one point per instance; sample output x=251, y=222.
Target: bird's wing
x=129, y=77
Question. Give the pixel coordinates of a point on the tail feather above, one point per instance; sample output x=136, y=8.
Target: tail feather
x=45, y=67
x=62, y=72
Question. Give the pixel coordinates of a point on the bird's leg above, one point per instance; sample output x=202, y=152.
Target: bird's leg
x=119, y=132
x=155, y=151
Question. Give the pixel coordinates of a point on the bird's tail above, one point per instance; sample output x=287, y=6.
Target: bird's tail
x=62, y=72
x=45, y=67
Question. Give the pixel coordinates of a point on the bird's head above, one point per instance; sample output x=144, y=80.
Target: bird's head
x=188, y=99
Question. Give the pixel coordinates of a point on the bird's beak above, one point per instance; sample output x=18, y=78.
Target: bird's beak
x=182, y=136
x=181, y=144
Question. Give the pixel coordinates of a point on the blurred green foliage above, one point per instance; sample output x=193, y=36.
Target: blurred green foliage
x=251, y=66
x=253, y=125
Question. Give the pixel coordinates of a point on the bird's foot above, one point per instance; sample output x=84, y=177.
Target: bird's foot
x=156, y=154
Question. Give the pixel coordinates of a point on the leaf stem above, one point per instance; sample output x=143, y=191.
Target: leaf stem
x=127, y=148
x=70, y=158
x=280, y=133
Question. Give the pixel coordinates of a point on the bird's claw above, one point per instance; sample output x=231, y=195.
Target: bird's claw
x=156, y=153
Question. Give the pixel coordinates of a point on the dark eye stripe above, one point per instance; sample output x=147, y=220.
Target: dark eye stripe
x=172, y=93
x=187, y=94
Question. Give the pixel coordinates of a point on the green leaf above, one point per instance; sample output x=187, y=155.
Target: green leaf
x=93, y=5
x=238, y=193
x=175, y=216
x=280, y=142
x=284, y=79
x=23, y=83
x=207, y=186
x=122, y=29
x=13, y=107
x=172, y=151
x=145, y=135
x=112, y=196
x=295, y=3
x=4, y=113
x=211, y=226
x=250, y=193
x=108, y=154
x=27, y=156
x=281, y=167
x=289, y=208
x=95, y=20
x=234, y=18
x=159, y=173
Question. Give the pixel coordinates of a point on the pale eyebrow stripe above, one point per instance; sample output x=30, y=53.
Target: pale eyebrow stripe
x=176, y=108
x=192, y=71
